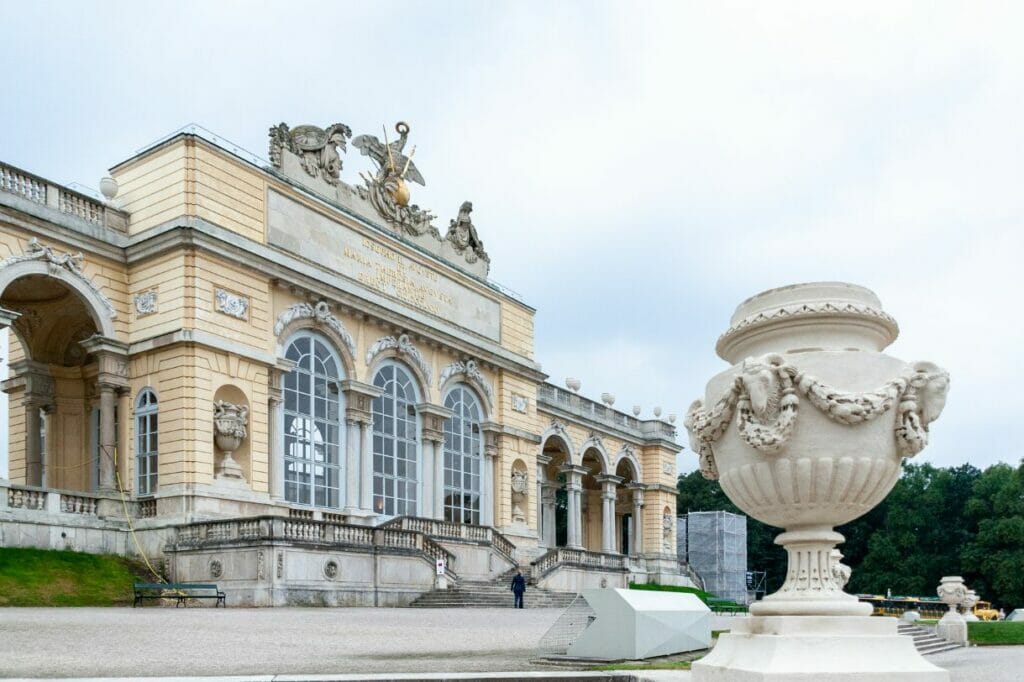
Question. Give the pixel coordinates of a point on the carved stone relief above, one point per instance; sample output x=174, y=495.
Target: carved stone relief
x=469, y=369
x=235, y=305
x=316, y=148
x=67, y=262
x=405, y=347
x=321, y=313
x=520, y=403
x=145, y=303
x=462, y=235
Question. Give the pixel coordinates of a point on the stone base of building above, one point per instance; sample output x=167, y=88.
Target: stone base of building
x=806, y=648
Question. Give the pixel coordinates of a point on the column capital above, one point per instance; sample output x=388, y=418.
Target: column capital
x=7, y=317
x=609, y=478
x=111, y=359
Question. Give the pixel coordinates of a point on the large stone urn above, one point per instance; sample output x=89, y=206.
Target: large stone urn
x=229, y=432
x=806, y=431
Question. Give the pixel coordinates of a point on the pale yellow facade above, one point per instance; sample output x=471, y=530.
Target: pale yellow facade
x=187, y=283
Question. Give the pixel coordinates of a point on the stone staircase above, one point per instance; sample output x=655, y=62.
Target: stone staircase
x=493, y=593
x=925, y=639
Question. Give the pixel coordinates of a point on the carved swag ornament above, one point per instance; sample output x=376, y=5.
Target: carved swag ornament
x=764, y=399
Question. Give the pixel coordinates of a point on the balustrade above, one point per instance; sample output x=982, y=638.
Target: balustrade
x=78, y=504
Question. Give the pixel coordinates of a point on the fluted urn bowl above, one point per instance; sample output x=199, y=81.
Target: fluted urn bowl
x=806, y=430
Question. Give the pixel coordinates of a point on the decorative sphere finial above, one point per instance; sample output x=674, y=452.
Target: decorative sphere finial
x=109, y=187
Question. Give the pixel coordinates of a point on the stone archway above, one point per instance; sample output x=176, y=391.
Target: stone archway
x=60, y=367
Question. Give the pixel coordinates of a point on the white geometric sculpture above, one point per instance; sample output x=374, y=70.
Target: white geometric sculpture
x=635, y=624
x=807, y=431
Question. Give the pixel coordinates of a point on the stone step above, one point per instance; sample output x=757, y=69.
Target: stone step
x=925, y=641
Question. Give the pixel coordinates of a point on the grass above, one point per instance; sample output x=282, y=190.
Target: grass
x=703, y=596
x=37, y=577
x=995, y=632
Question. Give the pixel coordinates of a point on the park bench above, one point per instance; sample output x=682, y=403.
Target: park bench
x=179, y=591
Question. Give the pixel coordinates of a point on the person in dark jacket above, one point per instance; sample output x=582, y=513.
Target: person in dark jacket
x=518, y=588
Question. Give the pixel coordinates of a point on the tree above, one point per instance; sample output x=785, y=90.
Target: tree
x=994, y=558
x=917, y=535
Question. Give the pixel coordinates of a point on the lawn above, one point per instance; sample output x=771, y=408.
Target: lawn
x=36, y=577
x=995, y=632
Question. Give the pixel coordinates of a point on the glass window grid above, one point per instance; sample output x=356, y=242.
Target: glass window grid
x=395, y=443
x=313, y=412
x=147, y=443
x=463, y=462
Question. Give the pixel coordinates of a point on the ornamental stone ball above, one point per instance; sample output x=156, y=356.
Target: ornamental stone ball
x=808, y=427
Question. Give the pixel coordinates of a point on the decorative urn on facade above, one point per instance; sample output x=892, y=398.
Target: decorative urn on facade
x=229, y=422
x=806, y=431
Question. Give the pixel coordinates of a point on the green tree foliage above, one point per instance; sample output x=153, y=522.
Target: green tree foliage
x=936, y=521
x=915, y=537
x=995, y=555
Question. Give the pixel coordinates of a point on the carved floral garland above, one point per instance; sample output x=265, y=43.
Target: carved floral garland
x=765, y=402
x=404, y=346
x=321, y=313
x=471, y=371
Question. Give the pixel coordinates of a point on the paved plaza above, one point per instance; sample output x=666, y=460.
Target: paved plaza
x=161, y=642
x=126, y=642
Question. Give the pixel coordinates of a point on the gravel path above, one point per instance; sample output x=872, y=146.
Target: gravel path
x=126, y=642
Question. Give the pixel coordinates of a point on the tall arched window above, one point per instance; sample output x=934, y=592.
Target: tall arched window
x=313, y=410
x=462, y=457
x=147, y=442
x=395, y=443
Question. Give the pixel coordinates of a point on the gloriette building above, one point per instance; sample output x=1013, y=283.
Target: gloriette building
x=291, y=382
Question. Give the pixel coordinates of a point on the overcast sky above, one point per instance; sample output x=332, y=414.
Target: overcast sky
x=636, y=169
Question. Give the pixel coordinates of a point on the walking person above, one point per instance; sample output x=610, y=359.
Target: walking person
x=518, y=588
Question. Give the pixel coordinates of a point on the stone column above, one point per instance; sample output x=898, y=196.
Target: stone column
x=359, y=447
x=432, y=441
x=108, y=437
x=574, y=487
x=491, y=432
x=125, y=450
x=609, y=494
x=366, y=466
x=33, y=444
x=352, y=464
x=550, y=514
x=637, y=536
x=275, y=428
x=112, y=363
x=428, y=475
x=34, y=378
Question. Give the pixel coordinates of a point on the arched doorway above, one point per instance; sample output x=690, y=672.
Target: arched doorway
x=554, y=521
x=54, y=388
x=629, y=508
x=592, y=508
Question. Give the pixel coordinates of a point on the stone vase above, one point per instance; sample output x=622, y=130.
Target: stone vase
x=229, y=432
x=806, y=430
x=952, y=626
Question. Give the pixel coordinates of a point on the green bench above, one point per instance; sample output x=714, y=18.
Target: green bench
x=179, y=591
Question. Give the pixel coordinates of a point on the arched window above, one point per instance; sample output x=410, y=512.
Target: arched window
x=313, y=410
x=462, y=457
x=395, y=443
x=147, y=443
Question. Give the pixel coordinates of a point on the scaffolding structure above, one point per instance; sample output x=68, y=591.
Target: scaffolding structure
x=715, y=545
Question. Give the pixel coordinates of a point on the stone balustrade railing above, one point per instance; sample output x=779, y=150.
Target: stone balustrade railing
x=306, y=531
x=31, y=498
x=40, y=191
x=562, y=556
x=578, y=405
x=447, y=530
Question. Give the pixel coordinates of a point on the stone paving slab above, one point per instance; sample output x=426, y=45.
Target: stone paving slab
x=611, y=676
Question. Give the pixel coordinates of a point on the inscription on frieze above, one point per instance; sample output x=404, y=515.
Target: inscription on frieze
x=378, y=267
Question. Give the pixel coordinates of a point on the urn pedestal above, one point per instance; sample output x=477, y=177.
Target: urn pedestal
x=229, y=431
x=806, y=431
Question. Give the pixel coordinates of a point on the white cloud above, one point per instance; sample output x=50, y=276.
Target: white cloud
x=636, y=169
